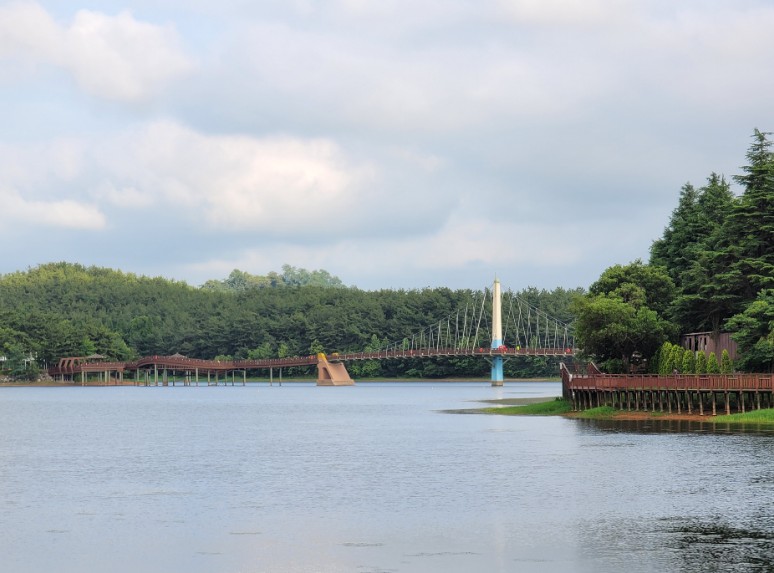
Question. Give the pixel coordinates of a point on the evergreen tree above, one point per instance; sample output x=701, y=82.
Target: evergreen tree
x=712, y=364
x=701, y=363
x=702, y=303
x=684, y=229
x=754, y=333
x=665, y=358
x=726, y=365
x=689, y=365
x=751, y=222
x=677, y=358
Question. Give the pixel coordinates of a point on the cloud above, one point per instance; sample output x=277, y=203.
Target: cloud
x=117, y=58
x=273, y=187
x=461, y=242
x=272, y=184
x=564, y=12
x=386, y=141
x=68, y=214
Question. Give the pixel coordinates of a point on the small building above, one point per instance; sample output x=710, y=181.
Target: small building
x=707, y=342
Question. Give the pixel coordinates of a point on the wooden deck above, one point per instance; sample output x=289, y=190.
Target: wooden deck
x=690, y=393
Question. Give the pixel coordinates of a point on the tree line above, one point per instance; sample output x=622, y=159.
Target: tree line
x=65, y=309
x=711, y=270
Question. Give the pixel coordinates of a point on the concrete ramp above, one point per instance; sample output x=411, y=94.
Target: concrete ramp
x=332, y=374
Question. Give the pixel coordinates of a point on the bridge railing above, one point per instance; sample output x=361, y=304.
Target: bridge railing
x=433, y=352
x=708, y=382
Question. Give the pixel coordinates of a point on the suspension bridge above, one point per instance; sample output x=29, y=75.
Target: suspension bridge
x=478, y=329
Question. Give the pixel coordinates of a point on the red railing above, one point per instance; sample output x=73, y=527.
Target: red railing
x=708, y=382
x=76, y=365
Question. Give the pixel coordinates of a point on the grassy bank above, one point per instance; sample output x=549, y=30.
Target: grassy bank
x=755, y=417
x=552, y=408
x=561, y=407
x=556, y=407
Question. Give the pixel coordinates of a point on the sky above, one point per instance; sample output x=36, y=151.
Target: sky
x=396, y=144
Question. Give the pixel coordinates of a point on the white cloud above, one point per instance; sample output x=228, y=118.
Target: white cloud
x=114, y=57
x=34, y=164
x=461, y=242
x=68, y=214
x=271, y=184
x=564, y=12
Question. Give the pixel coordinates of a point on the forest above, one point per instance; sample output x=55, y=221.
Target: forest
x=712, y=270
x=65, y=309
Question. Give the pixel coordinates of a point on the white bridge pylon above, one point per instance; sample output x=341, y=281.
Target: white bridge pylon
x=517, y=328
x=497, y=334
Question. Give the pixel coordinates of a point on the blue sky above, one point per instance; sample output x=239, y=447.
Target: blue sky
x=395, y=144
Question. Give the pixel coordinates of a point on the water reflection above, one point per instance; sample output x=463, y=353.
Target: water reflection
x=660, y=426
x=370, y=478
x=706, y=546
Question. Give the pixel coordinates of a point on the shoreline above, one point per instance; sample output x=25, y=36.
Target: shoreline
x=53, y=384
x=543, y=407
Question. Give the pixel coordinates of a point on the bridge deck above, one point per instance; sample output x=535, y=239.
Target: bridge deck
x=76, y=365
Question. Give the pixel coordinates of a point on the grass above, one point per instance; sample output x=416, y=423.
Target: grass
x=599, y=413
x=550, y=408
x=755, y=417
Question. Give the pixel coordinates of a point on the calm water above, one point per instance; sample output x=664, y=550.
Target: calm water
x=367, y=479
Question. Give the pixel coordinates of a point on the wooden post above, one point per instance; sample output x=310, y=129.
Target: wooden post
x=701, y=404
x=714, y=408
x=728, y=403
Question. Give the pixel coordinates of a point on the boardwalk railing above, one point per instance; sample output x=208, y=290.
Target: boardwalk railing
x=684, y=392
x=708, y=382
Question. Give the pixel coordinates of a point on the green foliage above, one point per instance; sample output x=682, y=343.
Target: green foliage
x=62, y=309
x=550, y=408
x=638, y=285
x=712, y=364
x=616, y=322
x=689, y=363
x=677, y=358
x=719, y=250
x=240, y=281
x=315, y=347
x=754, y=333
x=600, y=412
x=701, y=363
x=765, y=416
x=726, y=364
x=665, y=359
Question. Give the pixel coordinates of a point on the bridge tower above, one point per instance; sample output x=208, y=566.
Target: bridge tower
x=497, y=334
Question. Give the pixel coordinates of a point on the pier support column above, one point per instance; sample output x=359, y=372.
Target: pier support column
x=331, y=373
x=497, y=334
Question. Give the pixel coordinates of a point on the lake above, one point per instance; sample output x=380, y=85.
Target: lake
x=370, y=478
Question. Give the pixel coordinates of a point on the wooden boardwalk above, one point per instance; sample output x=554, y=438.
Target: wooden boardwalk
x=681, y=393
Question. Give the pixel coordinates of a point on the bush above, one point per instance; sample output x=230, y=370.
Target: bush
x=712, y=364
